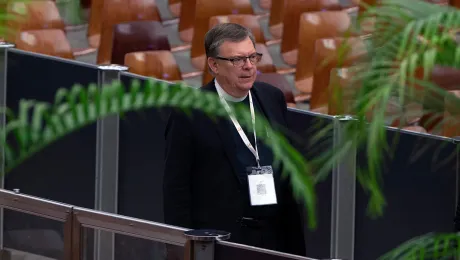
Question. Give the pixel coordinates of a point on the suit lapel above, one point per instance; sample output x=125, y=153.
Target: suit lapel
x=264, y=103
x=224, y=128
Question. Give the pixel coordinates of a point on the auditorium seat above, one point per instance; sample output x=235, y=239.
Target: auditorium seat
x=451, y=124
x=115, y=12
x=415, y=128
x=367, y=2
x=326, y=58
x=85, y=4
x=95, y=23
x=137, y=36
x=341, y=91
x=49, y=41
x=156, y=64
x=174, y=7
x=342, y=97
x=281, y=83
x=447, y=79
x=247, y=20
x=292, y=12
x=432, y=122
x=314, y=26
x=206, y=10
x=264, y=66
x=187, y=20
x=33, y=15
x=275, y=22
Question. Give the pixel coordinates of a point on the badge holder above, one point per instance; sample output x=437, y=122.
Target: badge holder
x=261, y=186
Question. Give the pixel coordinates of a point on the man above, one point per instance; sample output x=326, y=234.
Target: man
x=209, y=166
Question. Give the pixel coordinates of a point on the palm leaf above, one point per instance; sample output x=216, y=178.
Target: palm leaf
x=409, y=35
x=20, y=13
x=428, y=246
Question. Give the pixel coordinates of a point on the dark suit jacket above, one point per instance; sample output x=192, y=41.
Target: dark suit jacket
x=201, y=187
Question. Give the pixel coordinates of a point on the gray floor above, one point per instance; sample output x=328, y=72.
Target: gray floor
x=78, y=39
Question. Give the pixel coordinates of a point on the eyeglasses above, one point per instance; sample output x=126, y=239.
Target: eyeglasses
x=239, y=61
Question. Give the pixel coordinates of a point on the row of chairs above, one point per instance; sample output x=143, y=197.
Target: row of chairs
x=336, y=90
x=29, y=19
x=128, y=38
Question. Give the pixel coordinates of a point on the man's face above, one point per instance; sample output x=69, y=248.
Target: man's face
x=238, y=72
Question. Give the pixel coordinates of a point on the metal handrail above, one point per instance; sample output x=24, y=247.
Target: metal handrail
x=129, y=226
x=76, y=218
x=35, y=206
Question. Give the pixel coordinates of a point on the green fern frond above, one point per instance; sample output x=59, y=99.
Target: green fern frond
x=38, y=124
x=410, y=36
x=6, y=16
x=429, y=246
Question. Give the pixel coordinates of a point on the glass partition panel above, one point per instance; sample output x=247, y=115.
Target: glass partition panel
x=419, y=180
x=141, y=156
x=303, y=127
x=65, y=170
x=40, y=227
x=133, y=238
x=129, y=247
x=231, y=251
x=30, y=235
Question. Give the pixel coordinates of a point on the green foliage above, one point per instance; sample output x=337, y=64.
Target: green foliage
x=429, y=246
x=38, y=124
x=20, y=13
x=411, y=38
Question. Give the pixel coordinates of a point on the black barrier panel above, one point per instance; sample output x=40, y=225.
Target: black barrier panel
x=65, y=170
x=141, y=161
x=420, y=191
x=140, y=190
x=304, y=126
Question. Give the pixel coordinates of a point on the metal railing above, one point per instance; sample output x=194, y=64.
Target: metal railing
x=198, y=245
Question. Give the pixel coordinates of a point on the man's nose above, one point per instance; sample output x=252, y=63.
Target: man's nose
x=247, y=64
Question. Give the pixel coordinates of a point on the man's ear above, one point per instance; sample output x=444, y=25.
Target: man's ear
x=212, y=64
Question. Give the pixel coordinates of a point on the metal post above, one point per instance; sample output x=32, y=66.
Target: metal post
x=107, y=167
x=456, y=141
x=202, y=243
x=343, y=196
x=3, y=86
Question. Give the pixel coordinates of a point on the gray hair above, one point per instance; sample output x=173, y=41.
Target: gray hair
x=225, y=32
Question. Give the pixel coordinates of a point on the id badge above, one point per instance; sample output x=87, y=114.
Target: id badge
x=261, y=186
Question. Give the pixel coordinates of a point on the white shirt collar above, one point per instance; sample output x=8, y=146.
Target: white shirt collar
x=227, y=96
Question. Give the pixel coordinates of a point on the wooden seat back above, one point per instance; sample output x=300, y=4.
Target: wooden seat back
x=115, y=12
x=156, y=64
x=51, y=42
